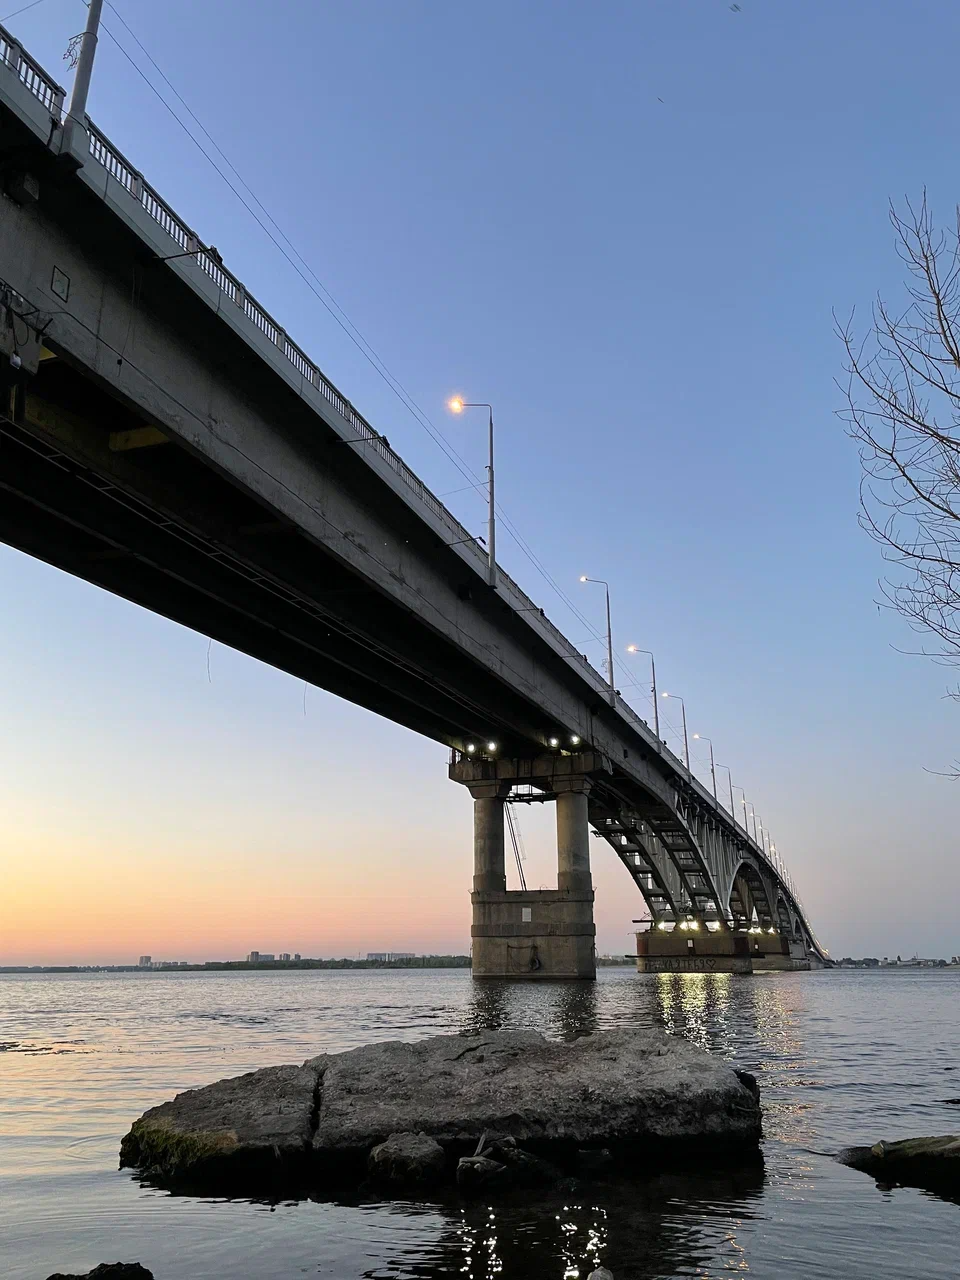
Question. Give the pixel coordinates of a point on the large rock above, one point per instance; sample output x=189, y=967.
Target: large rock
x=920, y=1162
x=605, y=1090
x=257, y=1126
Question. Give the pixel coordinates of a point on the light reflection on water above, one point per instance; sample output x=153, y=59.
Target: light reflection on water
x=841, y=1057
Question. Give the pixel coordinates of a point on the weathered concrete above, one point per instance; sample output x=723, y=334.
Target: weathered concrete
x=700, y=951
x=489, y=875
x=533, y=933
x=705, y=951
x=259, y=1124
x=322, y=1119
x=916, y=1162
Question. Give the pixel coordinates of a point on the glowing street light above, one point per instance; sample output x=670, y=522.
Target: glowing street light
x=686, y=744
x=632, y=648
x=457, y=405
x=713, y=767
x=606, y=587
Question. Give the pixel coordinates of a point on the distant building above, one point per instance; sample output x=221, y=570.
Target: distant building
x=296, y=955
x=284, y=955
x=253, y=957
x=267, y=955
x=144, y=962
x=387, y=956
x=377, y=955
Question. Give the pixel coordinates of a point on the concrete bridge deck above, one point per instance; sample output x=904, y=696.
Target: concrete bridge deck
x=165, y=439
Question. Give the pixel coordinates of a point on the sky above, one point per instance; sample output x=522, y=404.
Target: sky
x=629, y=227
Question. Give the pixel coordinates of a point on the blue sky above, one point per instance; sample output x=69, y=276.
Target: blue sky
x=501, y=202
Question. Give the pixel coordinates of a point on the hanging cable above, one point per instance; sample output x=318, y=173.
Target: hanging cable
x=513, y=826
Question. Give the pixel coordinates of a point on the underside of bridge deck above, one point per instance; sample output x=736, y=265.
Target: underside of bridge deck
x=162, y=439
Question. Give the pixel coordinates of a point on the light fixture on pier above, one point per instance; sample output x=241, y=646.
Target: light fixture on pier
x=553, y=742
x=471, y=748
x=574, y=739
x=491, y=746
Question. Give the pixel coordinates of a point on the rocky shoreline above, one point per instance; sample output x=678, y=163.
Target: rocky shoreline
x=447, y=1109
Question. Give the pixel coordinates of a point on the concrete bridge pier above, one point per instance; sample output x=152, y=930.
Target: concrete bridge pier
x=530, y=934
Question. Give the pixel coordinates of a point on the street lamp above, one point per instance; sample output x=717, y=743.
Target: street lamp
x=686, y=744
x=743, y=801
x=606, y=587
x=753, y=815
x=632, y=648
x=457, y=406
x=726, y=767
x=713, y=767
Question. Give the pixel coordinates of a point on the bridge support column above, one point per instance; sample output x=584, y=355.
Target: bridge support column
x=530, y=933
x=488, y=869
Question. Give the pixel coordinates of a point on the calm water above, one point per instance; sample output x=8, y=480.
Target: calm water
x=842, y=1057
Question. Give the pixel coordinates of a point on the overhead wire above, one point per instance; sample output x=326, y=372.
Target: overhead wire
x=17, y=12
x=313, y=282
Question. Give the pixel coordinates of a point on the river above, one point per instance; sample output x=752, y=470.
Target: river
x=842, y=1057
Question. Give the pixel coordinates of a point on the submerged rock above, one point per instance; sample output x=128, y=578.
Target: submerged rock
x=323, y=1119
x=109, y=1271
x=922, y=1162
x=407, y=1158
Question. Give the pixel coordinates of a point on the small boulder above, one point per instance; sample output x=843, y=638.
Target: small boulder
x=524, y=1169
x=109, y=1271
x=476, y=1173
x=601, y=1273
x=933, y=1162
x=407, y=1158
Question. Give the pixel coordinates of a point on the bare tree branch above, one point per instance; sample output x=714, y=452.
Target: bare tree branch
x=903, y=409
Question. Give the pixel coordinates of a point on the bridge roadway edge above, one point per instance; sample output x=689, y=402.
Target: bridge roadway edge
x=260, y=430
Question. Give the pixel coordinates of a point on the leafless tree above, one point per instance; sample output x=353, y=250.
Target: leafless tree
x=903, y=407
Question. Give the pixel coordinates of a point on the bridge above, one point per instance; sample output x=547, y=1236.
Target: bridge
x=164, y=438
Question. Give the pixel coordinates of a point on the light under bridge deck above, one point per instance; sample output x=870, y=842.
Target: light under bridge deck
x=165, y=439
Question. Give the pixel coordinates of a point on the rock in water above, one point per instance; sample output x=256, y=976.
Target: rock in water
x=407, y=1158
x=110, y=1271
x=480, y=1173
x=601, y=1273
x=921, y=1162
x=609, y=1089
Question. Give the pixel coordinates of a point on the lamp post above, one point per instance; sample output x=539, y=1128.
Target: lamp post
x=632, y=648
x=713, y=767
x=753, y=815
x=743, y=801
x=76, y=112
x=457, y=406
x=686, y=743
x=606, y=587
x=726, y=767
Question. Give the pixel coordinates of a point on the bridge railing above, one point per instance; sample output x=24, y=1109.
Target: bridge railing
x=14, y=56
x=52, y=96
x=116, y=164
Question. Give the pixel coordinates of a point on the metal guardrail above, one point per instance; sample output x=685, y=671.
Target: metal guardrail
x=52, y=96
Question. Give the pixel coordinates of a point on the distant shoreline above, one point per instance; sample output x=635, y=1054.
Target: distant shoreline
x=227, y=966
